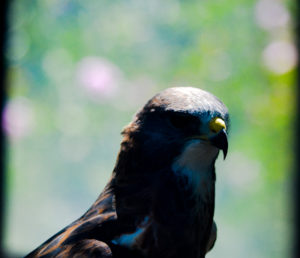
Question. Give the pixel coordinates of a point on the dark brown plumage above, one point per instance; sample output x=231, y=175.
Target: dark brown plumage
x=160, y=199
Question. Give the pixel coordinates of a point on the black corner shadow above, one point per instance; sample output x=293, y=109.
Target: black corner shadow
x=3, y=66
x=296, y=176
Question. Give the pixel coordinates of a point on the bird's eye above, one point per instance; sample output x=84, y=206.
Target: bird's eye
x=181, y=120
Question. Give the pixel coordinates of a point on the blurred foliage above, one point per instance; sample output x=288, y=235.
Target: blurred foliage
x=78, y=72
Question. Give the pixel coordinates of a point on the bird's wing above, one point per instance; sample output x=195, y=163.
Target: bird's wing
x=80, y=237
x=86, y=236
x=85, y=248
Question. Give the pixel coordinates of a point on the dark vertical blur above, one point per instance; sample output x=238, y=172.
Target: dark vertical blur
x=3, y=17
x=296, y=191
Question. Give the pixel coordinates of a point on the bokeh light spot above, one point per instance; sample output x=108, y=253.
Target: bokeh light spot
x=280, y=57
x=99, y=77
x=18, y=118
x=19, y=43
x=220, y=67
x=57, y=64
x=270, y=14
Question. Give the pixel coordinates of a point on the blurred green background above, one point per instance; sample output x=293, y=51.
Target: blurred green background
x=79, y=70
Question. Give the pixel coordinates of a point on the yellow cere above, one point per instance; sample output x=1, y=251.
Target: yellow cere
x=217, y=124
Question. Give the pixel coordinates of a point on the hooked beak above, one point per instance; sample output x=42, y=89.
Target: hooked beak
x=220, y=141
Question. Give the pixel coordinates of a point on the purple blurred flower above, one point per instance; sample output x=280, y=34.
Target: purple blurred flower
x=17, y=119
x=99, y=77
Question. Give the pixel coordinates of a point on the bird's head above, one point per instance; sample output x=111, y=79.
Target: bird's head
x=165, y=168
x=176, y=121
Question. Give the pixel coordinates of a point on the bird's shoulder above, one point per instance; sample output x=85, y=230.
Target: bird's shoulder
x=86, y=236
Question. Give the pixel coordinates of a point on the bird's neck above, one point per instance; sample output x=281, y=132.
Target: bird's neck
x=137, y=178
x=196, y=166
x=173, y=200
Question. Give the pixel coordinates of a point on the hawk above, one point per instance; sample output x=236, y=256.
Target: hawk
x=159, y=202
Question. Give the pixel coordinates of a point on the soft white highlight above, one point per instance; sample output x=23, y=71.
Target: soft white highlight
x=280, y=57
x=129, y=239
x=196, y=162
x=270, y=14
